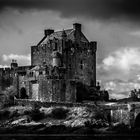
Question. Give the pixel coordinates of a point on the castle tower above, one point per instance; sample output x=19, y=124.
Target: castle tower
x=69, y=54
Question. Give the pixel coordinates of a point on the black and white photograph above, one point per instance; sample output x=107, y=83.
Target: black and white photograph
x=69, y=69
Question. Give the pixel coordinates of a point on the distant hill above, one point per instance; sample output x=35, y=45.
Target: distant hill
x=129, y=99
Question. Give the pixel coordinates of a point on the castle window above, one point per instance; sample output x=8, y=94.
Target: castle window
x=31, y=74
x=81, y=64
x=69, y=66
x=55, y=46
x=72, y=51
x=40, y=73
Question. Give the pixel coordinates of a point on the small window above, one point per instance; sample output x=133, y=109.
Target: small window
x=81, y=64
x=69, y=66
x=40, y=73
x=31, y=74
x=55, y=46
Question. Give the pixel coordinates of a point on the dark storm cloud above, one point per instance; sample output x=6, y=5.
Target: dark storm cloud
x=98, y=9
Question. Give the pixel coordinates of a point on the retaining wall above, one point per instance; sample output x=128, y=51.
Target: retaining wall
x=28, y=102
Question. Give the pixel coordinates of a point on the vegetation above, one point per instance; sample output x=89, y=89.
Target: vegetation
x=134, y=94
x=34, y=119
x=4, y=114
x=59, y=113
x=7, y=96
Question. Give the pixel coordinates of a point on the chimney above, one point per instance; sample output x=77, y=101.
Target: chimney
x=48, y=32
x=77, y=26
x=14, y=64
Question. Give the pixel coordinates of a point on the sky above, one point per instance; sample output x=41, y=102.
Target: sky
x=114, y=24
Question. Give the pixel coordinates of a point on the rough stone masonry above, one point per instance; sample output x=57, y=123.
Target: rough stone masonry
x=63, y=64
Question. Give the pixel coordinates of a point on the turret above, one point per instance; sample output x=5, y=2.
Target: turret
x=56, y=59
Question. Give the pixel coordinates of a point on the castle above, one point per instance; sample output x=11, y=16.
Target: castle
x=63, y=66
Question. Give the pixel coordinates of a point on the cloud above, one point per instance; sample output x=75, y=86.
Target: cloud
x=21, y=59
x=96, y=9
x=122, y=64
x=124, y=59
x=120, y=71
x=4, y=66
x=120, y=89
x=118, y=95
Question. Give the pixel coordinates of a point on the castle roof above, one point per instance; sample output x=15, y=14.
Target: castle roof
x=58, y=34
x=70, y=33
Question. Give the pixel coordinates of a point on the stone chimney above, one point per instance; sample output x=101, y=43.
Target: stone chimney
x=14, y=64
x=48, y=32
x=77, y=26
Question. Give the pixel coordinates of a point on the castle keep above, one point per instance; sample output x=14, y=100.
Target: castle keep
x=63, y=65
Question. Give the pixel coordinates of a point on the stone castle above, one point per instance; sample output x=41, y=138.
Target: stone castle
x=63, y=68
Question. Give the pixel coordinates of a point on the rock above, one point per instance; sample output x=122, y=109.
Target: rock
x=32, y=123
x=21, y=120
x=46, y=111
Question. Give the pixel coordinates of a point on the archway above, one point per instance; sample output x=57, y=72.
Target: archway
x=137, y=121
x=23, y=93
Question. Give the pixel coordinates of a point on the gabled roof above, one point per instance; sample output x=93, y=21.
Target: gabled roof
x=58, y=35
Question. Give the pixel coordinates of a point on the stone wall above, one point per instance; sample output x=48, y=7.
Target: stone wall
x=29, y=102
x=41, y=54
x=45, y=89
x=70, y=91
x=125, y=113
x=120, y=116
x=81, y=62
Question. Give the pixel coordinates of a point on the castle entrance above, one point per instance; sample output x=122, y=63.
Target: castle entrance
x=23, y=94
x=80, y=92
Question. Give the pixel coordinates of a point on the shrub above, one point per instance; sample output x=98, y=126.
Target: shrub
x=35, y=113
x=59, y=113
x=14, y=114
x=9, y=94
x=4, y=114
